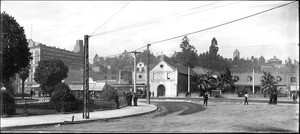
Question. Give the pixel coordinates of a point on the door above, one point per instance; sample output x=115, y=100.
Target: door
x=161, y=90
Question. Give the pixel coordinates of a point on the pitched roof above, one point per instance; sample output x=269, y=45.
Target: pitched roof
x=181, y=69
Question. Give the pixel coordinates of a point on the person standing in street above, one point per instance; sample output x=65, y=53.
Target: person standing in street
x=205, y=98
x=246, y=98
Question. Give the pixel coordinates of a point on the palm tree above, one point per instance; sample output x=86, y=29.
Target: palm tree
x=268, y=84
x=23, y=75
x=200, y=82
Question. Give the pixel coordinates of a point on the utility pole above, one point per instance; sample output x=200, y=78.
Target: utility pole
x=253, y=81
x=120, y=75
x=189, y=90
x=134, y=78
x=148, y=75
x=86, y=78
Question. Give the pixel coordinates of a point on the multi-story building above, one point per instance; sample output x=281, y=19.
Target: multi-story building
x=274, y=61
x=73, y=59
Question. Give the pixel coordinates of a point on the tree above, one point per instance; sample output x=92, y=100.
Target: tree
x=49, y=73
x=268, y=84
x=16, y=54
x=200, y=82
x=24, y=74
x=261, y=60
x=188, y=55
x=226, y=81
x=213, y=49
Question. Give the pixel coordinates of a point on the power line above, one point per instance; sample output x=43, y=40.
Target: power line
x=223, y=23
x=151, y=21
x=109, y=19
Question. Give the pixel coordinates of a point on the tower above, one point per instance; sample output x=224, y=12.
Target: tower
x=236, y=54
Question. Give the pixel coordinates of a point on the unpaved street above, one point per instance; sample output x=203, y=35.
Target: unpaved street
x=176, y=116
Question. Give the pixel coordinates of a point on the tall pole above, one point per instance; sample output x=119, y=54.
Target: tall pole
x=134, y=78
x=189, y=90
x=253, y=81
x=31, y=31
x=148, y=76
x=119, y=76
x=86, y=78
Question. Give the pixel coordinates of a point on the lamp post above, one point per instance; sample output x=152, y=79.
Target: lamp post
x=253, y=81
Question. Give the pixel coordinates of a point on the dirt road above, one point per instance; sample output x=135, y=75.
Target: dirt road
x=193, y=117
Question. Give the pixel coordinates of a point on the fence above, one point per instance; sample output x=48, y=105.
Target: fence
x=42, y=108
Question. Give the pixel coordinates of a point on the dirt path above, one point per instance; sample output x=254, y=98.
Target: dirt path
x=216, y=117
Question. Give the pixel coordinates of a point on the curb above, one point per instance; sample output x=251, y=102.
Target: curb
x=77, y=122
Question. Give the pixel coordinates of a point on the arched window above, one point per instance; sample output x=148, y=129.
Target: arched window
x=137, y=69
x=143, y=69
x=249, y=78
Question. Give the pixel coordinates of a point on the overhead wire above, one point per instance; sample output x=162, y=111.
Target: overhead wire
x=151, y=21
x=223, y=23
x=109, y=19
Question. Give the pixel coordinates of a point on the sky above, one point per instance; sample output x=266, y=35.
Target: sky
x=61, y=23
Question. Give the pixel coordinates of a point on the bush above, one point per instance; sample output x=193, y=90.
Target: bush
x=109, y=95
x=63, y=101
x=61, y=87
x=20, y=95
x=8, y=106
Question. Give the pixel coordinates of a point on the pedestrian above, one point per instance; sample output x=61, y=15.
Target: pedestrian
x=294, y=97
x=31, y=93
x=246, y=98
x=205, y=98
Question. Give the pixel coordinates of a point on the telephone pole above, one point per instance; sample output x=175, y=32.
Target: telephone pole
x=134, y=78
x=86, y=78
x=148, y=76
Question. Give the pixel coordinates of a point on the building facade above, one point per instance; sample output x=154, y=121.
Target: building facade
x=169, y=79
x=73, y=59
x=285, y=82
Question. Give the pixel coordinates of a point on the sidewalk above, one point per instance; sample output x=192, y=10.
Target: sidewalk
x=127, y=111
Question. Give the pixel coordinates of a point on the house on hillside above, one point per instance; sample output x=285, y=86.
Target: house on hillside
x=168, y=79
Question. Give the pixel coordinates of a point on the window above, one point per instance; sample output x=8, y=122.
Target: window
x=137, y=69
x=143, y=69
x=154, y=76
x=168, y=75
x=293, y=79
x=161, y=66
x=140, y=76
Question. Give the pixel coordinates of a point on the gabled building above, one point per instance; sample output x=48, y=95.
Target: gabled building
x=168, y=79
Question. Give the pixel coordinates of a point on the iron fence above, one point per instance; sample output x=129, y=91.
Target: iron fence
x=42, y=108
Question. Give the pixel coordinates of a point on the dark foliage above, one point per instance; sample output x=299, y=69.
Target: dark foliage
x=63, y=102
x=61, y=88
x=8, y=106
x=50, y=73
x=15, y=52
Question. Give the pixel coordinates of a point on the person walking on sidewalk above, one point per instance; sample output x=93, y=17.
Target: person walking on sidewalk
x=205, y=98
x=246, y=98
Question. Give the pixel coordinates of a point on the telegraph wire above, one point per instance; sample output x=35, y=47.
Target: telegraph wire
x=109, y=19
x=154, y=21
x=222, y=24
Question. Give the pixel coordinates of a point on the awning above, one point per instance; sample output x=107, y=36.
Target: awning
x=294, y=88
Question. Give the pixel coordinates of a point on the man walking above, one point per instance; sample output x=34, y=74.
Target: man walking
x=205, y=98
x=246, y=98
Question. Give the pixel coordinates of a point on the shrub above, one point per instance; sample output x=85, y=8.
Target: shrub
x=61, y=87
x=8, y=106
x=109, y=95
x=20, y=95
x=63, y=101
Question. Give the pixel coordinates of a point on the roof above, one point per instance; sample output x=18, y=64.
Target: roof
x=181, y=69
x=96, y=86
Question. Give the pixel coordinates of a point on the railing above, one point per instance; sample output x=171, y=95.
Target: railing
x=42, y=108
